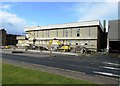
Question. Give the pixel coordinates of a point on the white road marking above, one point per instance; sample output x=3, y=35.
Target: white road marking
x=104, y=73
x=110, y=68
x=111, y=63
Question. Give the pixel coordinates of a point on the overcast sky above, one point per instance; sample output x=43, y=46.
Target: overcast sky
x=16, y=15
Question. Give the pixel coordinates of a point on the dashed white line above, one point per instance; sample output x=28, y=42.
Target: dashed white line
x=110, y=68
x=108, y=74
x=111, y=63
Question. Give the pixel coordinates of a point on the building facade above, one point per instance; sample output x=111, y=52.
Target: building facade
x=114, y=35
x=7, y=39
x=21, y=41
x=89, y=34
x=3, y=37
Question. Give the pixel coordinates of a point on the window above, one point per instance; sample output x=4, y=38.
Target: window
x=56, y=33
x=66, y=32
x=42, y=33
x=71, y=33
x=37, y=33
x=63, y=32
x=71, y=42
x=89, y=31
x=34, y=34
x=78, y=32
x=48, y=33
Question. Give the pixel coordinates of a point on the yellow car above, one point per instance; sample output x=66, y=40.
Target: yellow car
x=65, y=48
x=7, y=47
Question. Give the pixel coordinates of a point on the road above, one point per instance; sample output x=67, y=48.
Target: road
x=93, y=65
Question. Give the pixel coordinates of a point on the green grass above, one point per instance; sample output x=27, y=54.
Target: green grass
x=0, y=72
x=17, y=75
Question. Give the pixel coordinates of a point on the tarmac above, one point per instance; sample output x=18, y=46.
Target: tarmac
x=64, y=72
x=104, y=81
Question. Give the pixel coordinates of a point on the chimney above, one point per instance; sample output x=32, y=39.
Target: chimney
x=104, y=25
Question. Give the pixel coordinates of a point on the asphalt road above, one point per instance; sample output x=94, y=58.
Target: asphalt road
x=94, y=65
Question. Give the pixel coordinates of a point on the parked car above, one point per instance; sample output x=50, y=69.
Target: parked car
x=7, y=47
x=65, y=48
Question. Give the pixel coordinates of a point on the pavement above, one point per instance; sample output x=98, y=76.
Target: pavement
x=102, y=69
x=38, y=51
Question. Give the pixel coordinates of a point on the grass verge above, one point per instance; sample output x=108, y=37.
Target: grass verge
x=0, y=72
x=17, y=75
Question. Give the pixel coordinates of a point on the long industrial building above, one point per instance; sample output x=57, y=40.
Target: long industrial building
x=90, y=34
